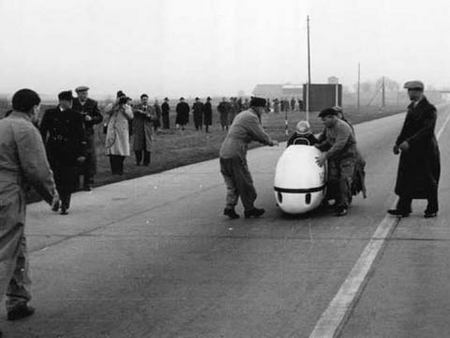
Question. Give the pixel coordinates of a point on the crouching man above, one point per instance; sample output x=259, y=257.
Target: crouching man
x=246, y=127
x=22, y=161
x=338, y=145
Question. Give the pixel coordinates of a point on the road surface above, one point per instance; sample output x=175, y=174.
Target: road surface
x=155, y=257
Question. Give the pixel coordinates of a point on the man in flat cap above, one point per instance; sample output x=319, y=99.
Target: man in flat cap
x=246, y=127
x=197, y=112
x=63, y=134
x=88, y=108
x=419, y=167
x=165, y=110
x=23, y=162
x=338, y=146
x=182, y=110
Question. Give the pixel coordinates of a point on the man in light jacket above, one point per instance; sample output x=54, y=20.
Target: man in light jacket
x=23, y=162
x=246, y=127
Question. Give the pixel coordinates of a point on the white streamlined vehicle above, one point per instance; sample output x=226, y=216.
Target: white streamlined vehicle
x=300, y=184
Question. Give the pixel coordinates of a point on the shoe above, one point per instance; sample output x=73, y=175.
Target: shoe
x=341, y=212
x=55, y=208
x=87, y=188
x=230, y=213
x=397, y=212
x=20, y=312
x=255, y=212
x=64, y=211
x=430, y=214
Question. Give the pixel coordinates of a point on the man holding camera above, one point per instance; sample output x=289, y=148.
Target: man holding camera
x=23, y=162
x=63, y=134
x=88, y=108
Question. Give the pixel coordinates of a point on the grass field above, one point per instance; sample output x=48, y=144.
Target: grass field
x=175, y=148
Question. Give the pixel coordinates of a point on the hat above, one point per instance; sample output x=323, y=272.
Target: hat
x=81, y=89
x=181, y=98
x=120, y=93
x=328, y=112
x=166, y=99
x=144, y=95
x=196, y=99
x=65, y=96
x=414, y=85
x=257, y=102
x=303, y=127
x=208, y=98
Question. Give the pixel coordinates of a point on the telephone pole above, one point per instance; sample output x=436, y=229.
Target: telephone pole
x=359, y=87
x=309, y=72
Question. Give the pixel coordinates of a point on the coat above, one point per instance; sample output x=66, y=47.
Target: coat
x=207, y=114
x=182, y=113
x=90, y=108
x=223, y=108
x=142, y=127
x=117, y=132
x=64, y=138
x=23, y=162
x=419, y=167
x=246, y=128
x=197, y=111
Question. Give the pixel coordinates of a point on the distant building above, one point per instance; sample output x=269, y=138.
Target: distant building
x=268, y=90
x=292, y=90
x=278, y=90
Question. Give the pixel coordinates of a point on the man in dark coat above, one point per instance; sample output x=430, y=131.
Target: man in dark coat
x=165, y=114
x=91, y=116
x=182, y=110
x=224, y=108
x=157, y=121
x=419, y=167
x=207, y=114
x=197, y=111
x=64, y=137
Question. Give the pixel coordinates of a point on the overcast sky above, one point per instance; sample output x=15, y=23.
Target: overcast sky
x=215, y=47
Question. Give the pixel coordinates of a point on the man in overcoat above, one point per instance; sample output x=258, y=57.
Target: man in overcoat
x=23, y=162
x=207, y=114
x=144, y=117
x=64, y=137
x=88, y=108
x=245, y=128
x=419, y=167
x=224, y=108
x=182, y=110
x=197, y=112
x=165, y=113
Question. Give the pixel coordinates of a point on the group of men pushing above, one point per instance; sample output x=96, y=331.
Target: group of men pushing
x=418, y=172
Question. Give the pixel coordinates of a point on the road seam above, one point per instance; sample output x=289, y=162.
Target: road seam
x=333, y=319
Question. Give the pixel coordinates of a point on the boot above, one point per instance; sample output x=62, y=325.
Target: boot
x=230, y=213
x=255, y=212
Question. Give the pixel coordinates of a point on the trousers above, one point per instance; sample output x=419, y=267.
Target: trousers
x=239, y=182
x=116, y=162
x=14, y=277
x=340, y=175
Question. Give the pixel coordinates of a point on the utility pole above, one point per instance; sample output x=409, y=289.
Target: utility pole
x=359, y=88
x=309, y=72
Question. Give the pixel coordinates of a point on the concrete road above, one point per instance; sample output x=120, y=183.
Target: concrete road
x=155, y=257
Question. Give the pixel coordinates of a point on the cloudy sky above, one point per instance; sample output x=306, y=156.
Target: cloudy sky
x=215, y=47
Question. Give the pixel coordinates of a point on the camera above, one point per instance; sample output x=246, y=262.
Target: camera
x=123, y=99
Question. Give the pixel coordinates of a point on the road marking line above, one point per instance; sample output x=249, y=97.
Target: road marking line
x=332, y=321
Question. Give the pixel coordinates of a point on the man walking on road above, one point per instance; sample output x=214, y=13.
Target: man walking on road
x=63, y=134
x=88, y=108
x=245, y=128
x=339, y=148
x=22, y=161
x=419, y=167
